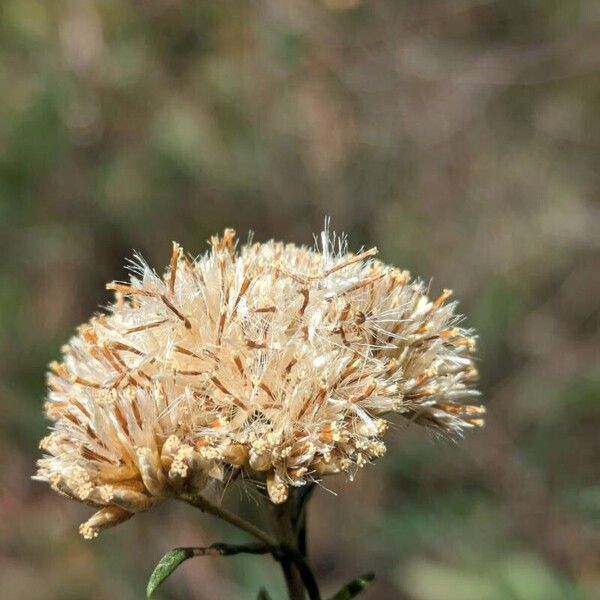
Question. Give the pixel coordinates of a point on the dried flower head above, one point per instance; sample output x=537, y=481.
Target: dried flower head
x=276, y=361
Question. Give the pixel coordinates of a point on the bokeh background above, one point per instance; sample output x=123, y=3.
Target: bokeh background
x=461, y=137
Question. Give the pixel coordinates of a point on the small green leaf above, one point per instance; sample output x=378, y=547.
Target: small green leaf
x=263, y=595
x=355, y=587
x=165, y=567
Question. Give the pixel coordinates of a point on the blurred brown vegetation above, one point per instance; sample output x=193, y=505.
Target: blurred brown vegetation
x=461, y=137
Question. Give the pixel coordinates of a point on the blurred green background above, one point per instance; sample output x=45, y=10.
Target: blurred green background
x=461, y=137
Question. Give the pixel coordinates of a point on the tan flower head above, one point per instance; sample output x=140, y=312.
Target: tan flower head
x=277, y=360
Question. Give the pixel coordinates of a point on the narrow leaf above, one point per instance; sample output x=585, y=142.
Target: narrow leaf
x=355, y=587
x=165, y=567
x=263, y=595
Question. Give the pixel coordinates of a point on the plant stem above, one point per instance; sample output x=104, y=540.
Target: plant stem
x=306, y=575
x=288, y=548
x=219, y=549
x=298, y=575
x=205, y=505
x=284, y=525
x=303, y=496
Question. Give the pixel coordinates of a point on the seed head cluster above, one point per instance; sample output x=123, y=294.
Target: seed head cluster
x=271, y=361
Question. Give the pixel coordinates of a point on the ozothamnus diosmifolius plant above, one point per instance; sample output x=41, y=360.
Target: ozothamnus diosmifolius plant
x=268, y=364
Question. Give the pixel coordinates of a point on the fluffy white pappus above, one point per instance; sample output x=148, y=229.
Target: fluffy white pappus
x=271, y=360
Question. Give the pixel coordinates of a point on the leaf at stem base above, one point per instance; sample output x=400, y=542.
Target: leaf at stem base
x=355, y=587
x=165, y=567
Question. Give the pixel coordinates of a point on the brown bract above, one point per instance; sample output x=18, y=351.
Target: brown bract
x=276, y=360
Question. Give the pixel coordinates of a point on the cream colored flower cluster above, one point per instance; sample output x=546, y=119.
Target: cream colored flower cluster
x=272, y=360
